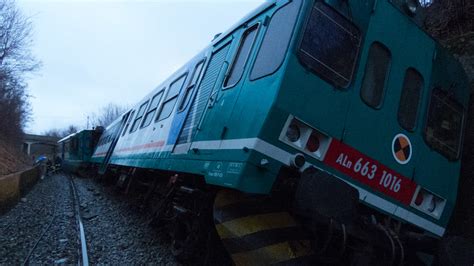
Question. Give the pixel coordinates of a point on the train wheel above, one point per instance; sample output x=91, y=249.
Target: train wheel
x=192, y=224
x=186, y=237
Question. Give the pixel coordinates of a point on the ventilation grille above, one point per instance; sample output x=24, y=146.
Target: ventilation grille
x=204, y=91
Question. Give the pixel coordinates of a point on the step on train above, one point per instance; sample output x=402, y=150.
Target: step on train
x=319, y=132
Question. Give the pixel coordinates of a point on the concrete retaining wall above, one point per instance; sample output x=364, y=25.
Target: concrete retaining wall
x=13, y=186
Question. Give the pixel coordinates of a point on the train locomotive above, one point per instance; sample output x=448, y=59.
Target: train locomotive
x=77, y=148
x=311, y=131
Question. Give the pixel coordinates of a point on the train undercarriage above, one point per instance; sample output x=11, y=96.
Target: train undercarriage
x=310, y=218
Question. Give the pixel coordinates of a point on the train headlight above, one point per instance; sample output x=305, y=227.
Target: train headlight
x=412, y=6
x=428, y=202
x=293, y=133
x=431, y=207
x=305, y=138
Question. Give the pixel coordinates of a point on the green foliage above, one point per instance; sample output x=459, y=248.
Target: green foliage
x=446, y=19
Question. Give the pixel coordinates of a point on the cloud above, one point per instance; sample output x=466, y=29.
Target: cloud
x=96, y=52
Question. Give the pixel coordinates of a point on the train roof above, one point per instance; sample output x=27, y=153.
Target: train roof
x=73, y=134
x=67, y=137
x=263, y=7
x=398, y=5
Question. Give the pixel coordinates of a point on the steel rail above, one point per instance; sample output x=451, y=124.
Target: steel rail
x=82, y=234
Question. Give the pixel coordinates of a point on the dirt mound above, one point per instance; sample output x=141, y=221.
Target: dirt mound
x=11, y=159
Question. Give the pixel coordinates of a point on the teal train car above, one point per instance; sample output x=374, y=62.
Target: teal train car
x=77, y=149
x=321, y=131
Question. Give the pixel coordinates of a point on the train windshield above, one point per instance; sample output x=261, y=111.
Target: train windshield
x=330, y=45
x=443, y=130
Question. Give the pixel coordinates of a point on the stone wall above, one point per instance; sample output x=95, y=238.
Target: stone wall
x=16, y=185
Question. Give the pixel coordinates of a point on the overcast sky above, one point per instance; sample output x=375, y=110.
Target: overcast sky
x=96, y=52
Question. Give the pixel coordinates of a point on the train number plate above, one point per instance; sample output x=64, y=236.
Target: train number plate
x=370, y=172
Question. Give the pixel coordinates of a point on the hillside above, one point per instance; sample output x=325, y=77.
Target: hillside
x=463, y=48
x=11, y=159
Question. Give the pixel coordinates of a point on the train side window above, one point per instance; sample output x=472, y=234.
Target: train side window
x=190, y=89
x=171, y=98
x=155, y=101
x=276, y=40
x=137, y=120
x=330, y=45
x=242, y=56
x=444, y=126
x=67, y=147
x=128, y=122
x=74, y=145
x=410, y=99
x=375, y=75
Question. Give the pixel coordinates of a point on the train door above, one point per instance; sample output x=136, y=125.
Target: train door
x=226, y=80
x=384, y=119
x=204, y=96
x=227, y=92
x=116, y=136
x=185, y=103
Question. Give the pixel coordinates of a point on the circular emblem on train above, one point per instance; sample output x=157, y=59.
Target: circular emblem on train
x=401, y=149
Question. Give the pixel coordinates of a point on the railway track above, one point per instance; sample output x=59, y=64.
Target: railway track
x=81, y=236
x=80, y=227
x=44, y=231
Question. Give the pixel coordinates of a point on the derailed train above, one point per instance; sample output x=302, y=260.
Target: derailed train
x=311, y=131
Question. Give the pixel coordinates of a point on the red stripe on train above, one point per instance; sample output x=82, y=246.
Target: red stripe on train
x=138, y=147
x=370, y=172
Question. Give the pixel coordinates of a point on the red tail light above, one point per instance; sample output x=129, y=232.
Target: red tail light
x=305, y=138
x=313, y=143
x=428, y=202
x=419, y=199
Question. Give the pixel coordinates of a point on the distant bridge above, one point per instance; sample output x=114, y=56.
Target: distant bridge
x=36, y=145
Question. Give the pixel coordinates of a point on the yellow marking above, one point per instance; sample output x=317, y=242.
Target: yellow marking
x=401, y=156
x=227, y=197
x=273, y=254
x=403, y=142
x=251, y=224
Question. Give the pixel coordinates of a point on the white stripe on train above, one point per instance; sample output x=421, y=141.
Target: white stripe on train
x=283, y=156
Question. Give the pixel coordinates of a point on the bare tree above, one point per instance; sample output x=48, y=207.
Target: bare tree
x=16, y=61
x=70, y=130
x=54, y=132
x=449, y=18
x=15, y=39
x=107, y=114
x=61, y=133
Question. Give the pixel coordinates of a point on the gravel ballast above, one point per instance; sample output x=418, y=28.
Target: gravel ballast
x=47, y=210
x=117, y=231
